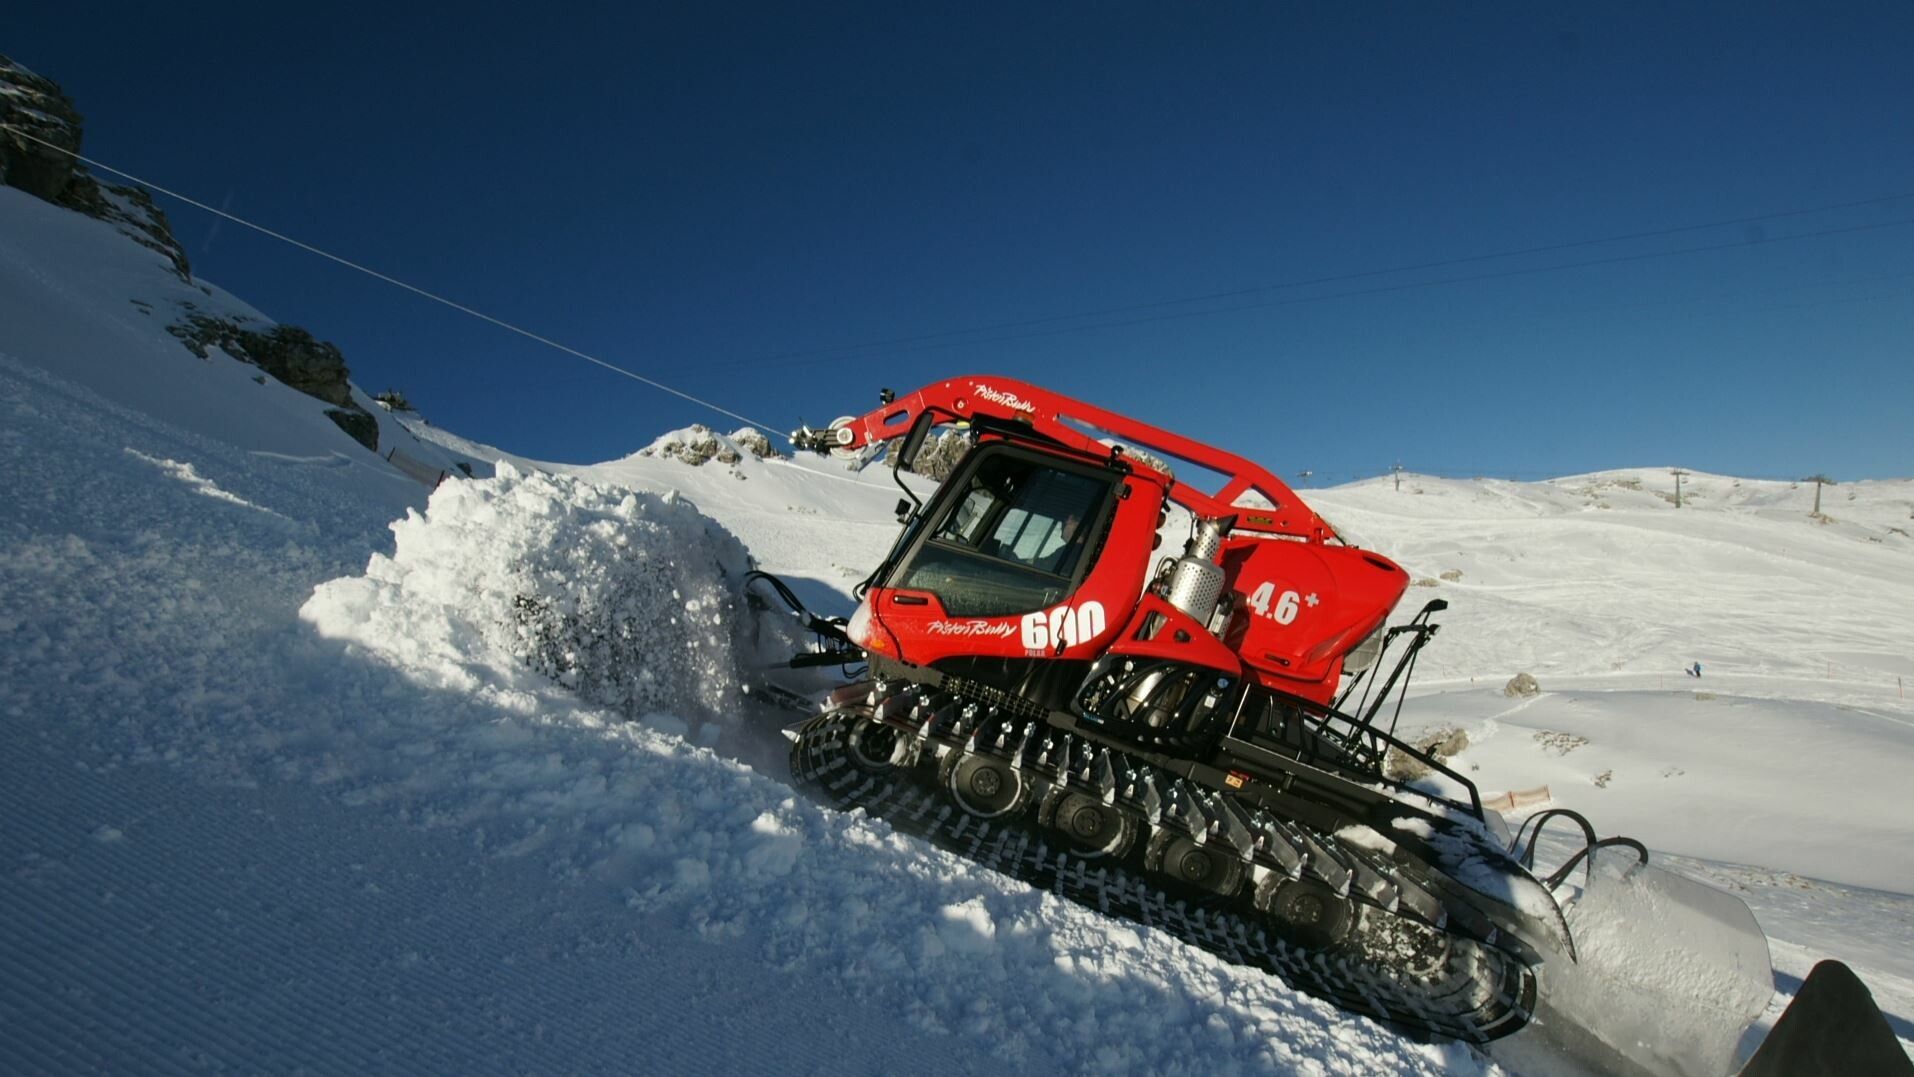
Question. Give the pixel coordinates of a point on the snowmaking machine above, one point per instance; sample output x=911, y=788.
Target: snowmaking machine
x=1204, y=740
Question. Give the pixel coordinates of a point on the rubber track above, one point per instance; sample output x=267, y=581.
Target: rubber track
x=1478, y=993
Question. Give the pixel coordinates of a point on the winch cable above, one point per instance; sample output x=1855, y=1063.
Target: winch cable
x=413, y=288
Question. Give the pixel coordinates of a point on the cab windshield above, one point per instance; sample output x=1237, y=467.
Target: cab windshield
x=1012, y=540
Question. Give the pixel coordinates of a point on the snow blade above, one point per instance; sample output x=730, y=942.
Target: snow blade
x=1670, y=974
x=1831, y=1027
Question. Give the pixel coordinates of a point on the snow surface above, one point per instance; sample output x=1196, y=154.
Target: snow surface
x=282, y=791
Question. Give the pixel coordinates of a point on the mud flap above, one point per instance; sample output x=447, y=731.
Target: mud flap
x=1670, y=974
x=1832, y=1027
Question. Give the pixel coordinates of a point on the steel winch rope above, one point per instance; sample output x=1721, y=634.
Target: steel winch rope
x=414, y=289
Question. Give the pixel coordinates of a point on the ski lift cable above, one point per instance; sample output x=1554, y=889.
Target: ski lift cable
x=416, y=290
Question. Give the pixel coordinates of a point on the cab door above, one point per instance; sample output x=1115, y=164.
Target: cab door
x=1024, y=555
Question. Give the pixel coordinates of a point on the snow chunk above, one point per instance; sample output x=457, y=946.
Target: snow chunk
x=625, y=598
x=967, y=927
x=777, y=849
x=188, y=474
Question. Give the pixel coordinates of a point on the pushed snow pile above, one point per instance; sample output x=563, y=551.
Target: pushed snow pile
x=624, y=597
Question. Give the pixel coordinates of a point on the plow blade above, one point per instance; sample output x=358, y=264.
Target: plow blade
x=1669, y=976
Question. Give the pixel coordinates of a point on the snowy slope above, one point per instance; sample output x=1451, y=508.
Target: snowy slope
x=1788, y=750
x=282, y=791
x=1591, y=576
x=1779, y=774
x=79, y=301
x=366, y=839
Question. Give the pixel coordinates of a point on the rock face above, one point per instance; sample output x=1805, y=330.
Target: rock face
x=286, y=352
x=694, y=445
x=131, y=210
x=753, y=441
x=37, y=107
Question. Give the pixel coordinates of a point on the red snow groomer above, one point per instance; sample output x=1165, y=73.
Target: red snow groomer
x=1193, y=740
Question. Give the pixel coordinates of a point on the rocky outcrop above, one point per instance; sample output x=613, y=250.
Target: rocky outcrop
x=358, y=424
x=753, y=441
x=694, y=445
x=939, y=456
x=288, y=353
x=131, y=210
x=31, y=105
x=37, y=123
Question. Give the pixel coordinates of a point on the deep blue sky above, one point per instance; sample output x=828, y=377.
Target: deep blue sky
x=733, y=200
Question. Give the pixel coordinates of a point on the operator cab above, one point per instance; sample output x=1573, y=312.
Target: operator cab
x=1010, y=532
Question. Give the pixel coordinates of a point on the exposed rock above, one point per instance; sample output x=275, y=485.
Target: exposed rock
x=1521, y=685
x=694, y=445
x=36, y=107
x=288, y=353
x=1426, y=582
x=1441, y=744
x=131, y=210
x=753, y=441
x=394, y=400
x=939, y=456
x=1148, y=459
x=1559, y=743
x=358, y=424
x=1452, y=576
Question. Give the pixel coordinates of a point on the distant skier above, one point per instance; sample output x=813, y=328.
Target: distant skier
x=1694, y=670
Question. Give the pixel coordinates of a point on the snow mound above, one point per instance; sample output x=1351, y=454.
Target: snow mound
x=625, y=598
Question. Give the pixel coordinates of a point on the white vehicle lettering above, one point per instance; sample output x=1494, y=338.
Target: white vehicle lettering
x=970, y=628
x=1281, y=608
x=1062, y=627
x=998, y=396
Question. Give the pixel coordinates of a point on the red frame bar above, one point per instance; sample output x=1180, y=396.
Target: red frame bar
x=1046, y=412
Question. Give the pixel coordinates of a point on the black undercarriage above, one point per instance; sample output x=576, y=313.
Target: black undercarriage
x=1371, y=930
x=1255, y=824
